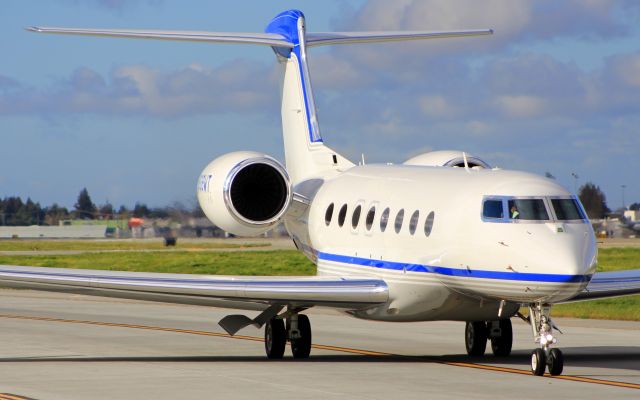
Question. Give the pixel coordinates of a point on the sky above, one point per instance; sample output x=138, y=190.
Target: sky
x=556, y=89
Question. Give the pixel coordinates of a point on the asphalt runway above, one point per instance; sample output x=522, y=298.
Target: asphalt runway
x=59, y=346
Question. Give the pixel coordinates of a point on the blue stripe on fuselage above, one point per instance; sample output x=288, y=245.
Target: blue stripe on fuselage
x=456, y=272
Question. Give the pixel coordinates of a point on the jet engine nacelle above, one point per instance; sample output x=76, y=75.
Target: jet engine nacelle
x=245, y=193
x=447, y=158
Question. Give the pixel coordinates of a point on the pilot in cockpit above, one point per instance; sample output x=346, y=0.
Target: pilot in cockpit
x=514, y=212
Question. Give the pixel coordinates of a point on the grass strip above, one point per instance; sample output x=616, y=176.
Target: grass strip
x=99, y=245
x=280, y=262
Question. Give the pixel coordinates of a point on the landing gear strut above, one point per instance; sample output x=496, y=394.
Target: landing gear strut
x=297, y=330
x=542, y=328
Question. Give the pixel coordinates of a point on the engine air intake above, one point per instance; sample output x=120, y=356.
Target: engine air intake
x=259, y=192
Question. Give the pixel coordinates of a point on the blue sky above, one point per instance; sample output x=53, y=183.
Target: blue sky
x=556, y=89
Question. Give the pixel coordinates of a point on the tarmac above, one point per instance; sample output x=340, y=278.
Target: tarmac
x=61, y=346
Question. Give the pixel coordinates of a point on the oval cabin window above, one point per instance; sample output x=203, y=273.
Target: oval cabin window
x=428, y=224
x=328, y=214
x=384, y=219
x=413, y=223
x=342, y=215
x=370, y=217
x=399, y=219
x=355, y=219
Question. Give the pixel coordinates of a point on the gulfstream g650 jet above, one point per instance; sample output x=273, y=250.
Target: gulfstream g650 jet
x=444, y=236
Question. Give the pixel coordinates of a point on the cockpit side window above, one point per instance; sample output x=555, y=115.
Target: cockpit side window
x=567, y=209
x=528, y=209
x=492, y=209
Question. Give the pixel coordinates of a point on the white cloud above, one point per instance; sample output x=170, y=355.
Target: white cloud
x=520, y=106
x=238, y=86
x=436, y=106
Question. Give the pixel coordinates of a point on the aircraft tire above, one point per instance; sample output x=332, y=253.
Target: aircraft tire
x=301, y=347
x=475, y=336
x=538, y=362
x=556, y=362
x=275, y=339
x=501, y=346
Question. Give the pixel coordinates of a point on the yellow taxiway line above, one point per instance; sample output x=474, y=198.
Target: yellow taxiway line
x=348, y=350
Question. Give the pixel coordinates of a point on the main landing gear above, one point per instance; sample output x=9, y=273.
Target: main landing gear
x=544, y=357
x=478, y=333
x=297, y=330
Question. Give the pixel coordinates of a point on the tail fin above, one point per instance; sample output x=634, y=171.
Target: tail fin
x=306, y=155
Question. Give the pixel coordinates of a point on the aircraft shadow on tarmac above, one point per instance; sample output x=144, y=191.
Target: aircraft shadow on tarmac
x=614, y=357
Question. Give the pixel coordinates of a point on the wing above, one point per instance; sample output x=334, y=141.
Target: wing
x=202, y=289
x=611, y=284
x=267, y=294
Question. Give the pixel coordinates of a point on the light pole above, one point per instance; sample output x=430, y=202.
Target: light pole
x=575, y=182
x=623, y=188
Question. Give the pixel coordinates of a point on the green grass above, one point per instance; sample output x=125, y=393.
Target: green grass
x=101, y=245
x=281, y=262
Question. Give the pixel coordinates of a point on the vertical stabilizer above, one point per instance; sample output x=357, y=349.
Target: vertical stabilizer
x=306, y=155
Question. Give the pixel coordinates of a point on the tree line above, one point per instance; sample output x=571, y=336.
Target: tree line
x=16, y=212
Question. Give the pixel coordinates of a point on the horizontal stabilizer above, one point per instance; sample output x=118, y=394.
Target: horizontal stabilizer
x=266, y=39
x=326, y=38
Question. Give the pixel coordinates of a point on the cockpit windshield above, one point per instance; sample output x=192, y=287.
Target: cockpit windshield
x=531, y=209
x=567, y=209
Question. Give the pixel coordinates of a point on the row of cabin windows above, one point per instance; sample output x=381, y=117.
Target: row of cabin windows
x=384, y=219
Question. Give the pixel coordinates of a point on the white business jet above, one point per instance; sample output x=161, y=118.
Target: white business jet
x=443, y=236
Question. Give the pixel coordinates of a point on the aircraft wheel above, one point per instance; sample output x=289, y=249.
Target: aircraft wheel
x=538, y=362
x=556, y=362
x=501, y=345
x=275, y=338
x=475, y=336
x=301, y=347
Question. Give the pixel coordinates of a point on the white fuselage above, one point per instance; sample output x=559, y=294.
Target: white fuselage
x=459, y=266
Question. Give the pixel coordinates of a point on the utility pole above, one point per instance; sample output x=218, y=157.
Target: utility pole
x=575, y=182
x=623, y=188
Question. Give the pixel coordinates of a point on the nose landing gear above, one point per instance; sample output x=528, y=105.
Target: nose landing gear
x=544, y=357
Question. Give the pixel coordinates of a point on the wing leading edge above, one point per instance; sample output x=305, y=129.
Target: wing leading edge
x=254, y=293
x=611, y=284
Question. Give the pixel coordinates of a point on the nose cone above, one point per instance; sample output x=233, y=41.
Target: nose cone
x=574, y=249
x=570, y=257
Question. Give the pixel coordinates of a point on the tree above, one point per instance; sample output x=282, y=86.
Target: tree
x=84, y=207
x=106, y=210
x=635, y=207
x=55, y=213
x=140, y=210
x=593, y=200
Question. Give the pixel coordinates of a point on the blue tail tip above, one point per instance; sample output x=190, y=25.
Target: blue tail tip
x=286, y=24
